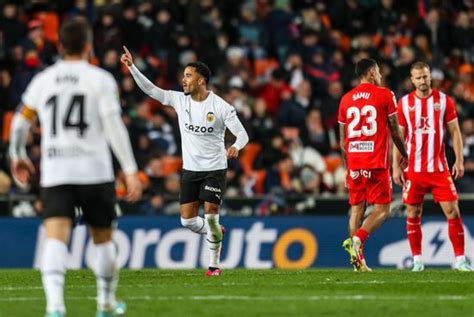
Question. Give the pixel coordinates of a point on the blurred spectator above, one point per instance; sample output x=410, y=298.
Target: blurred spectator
x=161, y=135
x=107, y=34
x=275, y=91
x=11, y=28
x=292, y=113
x=251, y=32
x=23, y=75
x=316, y=135
x=36, y=41
x=132, y=31
x=262, y=126
x=159, y=35
x=280, y=175
x=271, y=152
x=279, y=63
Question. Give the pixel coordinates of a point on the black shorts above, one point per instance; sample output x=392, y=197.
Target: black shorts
x=97, y=202
x=205, y=186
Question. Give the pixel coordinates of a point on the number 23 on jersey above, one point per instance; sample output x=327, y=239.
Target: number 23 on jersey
x=362, y=122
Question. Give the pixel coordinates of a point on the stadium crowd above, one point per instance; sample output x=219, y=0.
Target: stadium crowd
x=283, y=64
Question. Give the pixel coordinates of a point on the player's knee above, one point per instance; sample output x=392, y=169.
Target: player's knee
x=452, y=213
x=190, y=223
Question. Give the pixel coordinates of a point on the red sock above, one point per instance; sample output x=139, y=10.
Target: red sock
x=362, y=234
x=456, y=235
x=414, y=235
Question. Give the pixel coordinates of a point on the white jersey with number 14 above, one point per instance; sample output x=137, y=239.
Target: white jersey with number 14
x=71, y=99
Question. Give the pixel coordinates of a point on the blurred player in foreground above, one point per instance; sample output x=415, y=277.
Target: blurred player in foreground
x=78, y=108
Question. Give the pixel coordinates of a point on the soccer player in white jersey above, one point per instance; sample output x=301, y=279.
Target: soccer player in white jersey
x=78, y=108
x=424, y=116
x=203, y=118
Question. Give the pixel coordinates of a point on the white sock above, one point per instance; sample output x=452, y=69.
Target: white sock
x=214, y=239
x=417, y=258
x=106, y=272
x=460, y=258
x=196, y=224
x=53, y=268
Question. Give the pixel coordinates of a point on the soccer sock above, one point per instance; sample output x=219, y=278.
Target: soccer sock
x=196, y=224
x=214, y=239
x=456, y=235
x=362, y=234
x=53, y=268
x=106, y=274
x=414, y=235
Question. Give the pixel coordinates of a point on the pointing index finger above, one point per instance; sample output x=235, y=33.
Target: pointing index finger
x=126, y=50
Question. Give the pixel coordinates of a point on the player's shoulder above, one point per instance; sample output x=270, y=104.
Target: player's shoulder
x=100, y=73
x=384, y=91
x=221, y=103
x=440, y=94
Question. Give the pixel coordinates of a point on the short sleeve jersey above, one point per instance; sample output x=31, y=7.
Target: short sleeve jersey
x=425, y=120
x=364, y=111
x=202, y=126
x=71, y=99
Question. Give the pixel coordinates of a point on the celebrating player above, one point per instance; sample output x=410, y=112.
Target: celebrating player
x=203, y=118
x=366, y=114
x=425, y=114
x=78, y=109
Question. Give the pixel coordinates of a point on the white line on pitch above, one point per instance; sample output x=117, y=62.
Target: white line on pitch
x=258, y=298
x=329, y=282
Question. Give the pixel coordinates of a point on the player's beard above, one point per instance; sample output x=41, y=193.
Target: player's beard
x=424, y=88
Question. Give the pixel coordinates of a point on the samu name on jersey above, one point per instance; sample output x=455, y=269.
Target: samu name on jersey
x=71, y=99
x=202, y=126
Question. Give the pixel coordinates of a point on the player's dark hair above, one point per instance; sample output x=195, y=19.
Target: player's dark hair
x=419, y=65
x=364, y=66
x=202, y=69
x=74, y=35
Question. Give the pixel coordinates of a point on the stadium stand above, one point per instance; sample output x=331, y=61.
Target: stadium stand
x=283, y=65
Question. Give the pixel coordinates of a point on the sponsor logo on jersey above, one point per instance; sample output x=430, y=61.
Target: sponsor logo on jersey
x=66, y=152
x=361, y=146
x=436, y=106
x=354, y=174
x=411, y=108
x=210, y=116
x=424, y=126
x=198, y=128
x=364, y=173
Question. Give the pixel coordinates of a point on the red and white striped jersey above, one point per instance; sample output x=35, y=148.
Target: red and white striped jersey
x=425, y=120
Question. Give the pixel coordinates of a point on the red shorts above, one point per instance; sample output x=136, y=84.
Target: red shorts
x=440, y=184
x=373, y=185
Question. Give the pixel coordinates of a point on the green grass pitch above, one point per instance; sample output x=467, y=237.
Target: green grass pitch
x=242, y=293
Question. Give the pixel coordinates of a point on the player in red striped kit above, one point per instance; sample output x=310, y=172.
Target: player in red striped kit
x=424, y=116
x=367, y=114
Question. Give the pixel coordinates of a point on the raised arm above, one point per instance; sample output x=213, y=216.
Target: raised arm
x=455, y=132
x=397, y=138
x=144, y=83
